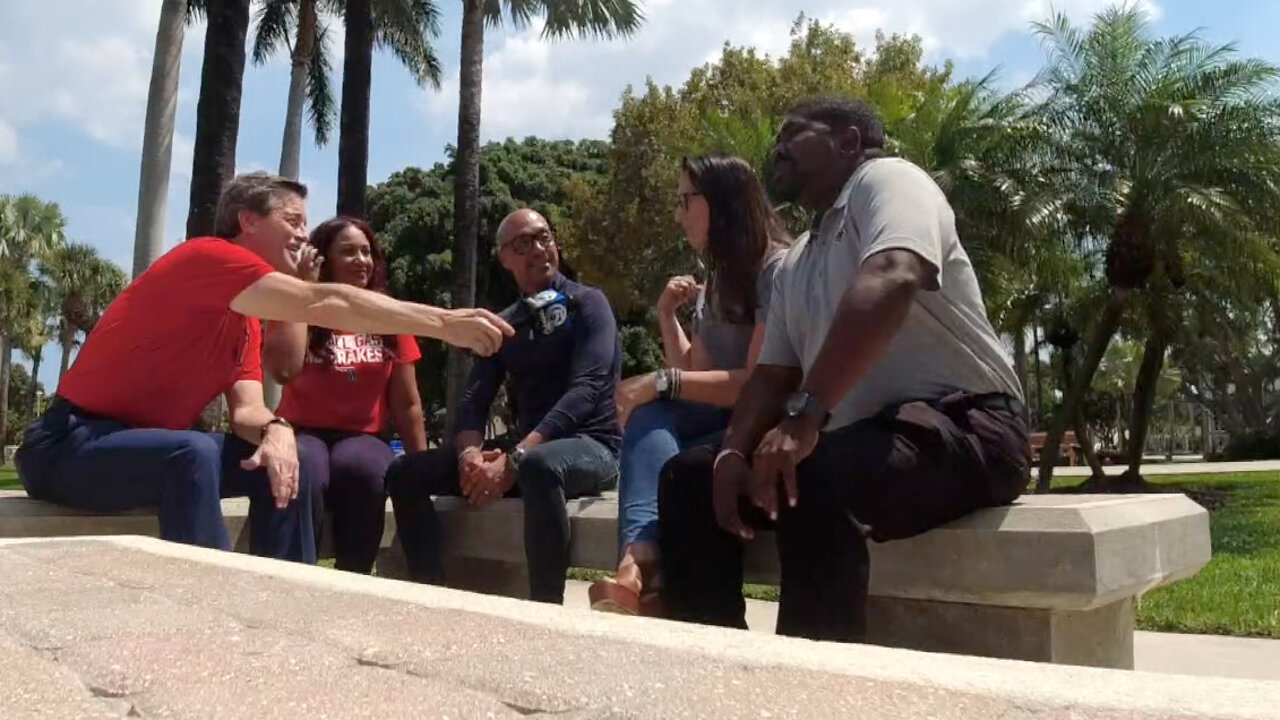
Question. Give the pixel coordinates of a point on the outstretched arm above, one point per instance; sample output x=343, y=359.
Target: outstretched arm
x=344, y=307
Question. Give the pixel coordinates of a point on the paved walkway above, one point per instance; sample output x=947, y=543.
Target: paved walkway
x=1203, y=655
x=1174, y=468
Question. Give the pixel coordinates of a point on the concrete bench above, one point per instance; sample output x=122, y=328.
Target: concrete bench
x=1053, y=578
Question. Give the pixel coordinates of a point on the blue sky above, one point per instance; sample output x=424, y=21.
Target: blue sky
x=74, y=74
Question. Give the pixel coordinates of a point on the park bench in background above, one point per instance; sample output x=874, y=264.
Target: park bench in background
x=1053, y=578
x=1067, y=448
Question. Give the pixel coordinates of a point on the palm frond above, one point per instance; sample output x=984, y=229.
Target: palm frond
x=274, y=22
x=197, y=11
x=321, y=104
x=596, y=19
x=406, y=28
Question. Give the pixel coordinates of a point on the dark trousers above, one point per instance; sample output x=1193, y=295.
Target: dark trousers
x=910, y=469
x=350, y=467
x=74, y=459
x=549, y=475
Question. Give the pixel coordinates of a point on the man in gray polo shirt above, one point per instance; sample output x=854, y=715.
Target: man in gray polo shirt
x=882, y=404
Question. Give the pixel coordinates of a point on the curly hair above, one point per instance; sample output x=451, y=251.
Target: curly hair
x=322, y=239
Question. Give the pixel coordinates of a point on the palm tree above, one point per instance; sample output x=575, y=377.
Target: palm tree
x=29, y=229
x=218, y=110
x=82, y=284
x=1159, y=143
x=157, y=136
x=39, y=328
x=406, y=28
x=563, y=18
x=311, y=64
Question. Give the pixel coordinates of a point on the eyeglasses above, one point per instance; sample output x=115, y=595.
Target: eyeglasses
x=683, y=199
x=522, y=244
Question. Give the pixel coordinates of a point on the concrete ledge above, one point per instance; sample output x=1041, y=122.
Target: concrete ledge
x=21, y=516
x=1051, y=578
x=1061, y=552
x=116, y=626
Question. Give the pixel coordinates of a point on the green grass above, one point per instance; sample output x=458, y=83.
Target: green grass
x=1237, y=593
x=9, y=479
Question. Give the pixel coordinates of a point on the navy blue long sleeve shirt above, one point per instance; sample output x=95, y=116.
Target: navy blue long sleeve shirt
x=564, y=363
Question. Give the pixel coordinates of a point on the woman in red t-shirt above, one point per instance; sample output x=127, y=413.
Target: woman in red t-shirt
x=342, y=390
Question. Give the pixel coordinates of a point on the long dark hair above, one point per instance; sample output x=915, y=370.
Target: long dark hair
x=322, y=239
x=743, y=231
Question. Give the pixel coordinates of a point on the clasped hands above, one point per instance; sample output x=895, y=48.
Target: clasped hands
x=770, y=475
x=484, y=476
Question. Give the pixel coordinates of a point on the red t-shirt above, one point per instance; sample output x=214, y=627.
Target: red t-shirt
x=348, y=392
x=170, y=343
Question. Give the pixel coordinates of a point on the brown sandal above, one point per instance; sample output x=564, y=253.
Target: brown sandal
x=610, y=596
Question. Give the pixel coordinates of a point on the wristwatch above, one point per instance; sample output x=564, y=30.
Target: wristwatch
x=514, y=458
x=274, y=421
x=803, y=405
x=662, y=384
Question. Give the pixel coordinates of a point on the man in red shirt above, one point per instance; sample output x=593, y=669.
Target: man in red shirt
x=117, y=435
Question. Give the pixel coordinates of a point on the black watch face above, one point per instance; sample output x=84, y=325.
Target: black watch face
x=795, y=404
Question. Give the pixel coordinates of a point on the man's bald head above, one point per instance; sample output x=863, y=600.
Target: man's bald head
x=517, y=223
x=527, y=249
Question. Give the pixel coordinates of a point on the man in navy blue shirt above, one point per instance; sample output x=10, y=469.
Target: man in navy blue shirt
x=563, y=365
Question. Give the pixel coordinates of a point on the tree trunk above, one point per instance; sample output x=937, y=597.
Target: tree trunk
x=1020, y=365
x=1144, y=398
x=353, y=139
x=36, y=356
x=217, y=112
x=291, y=145
x=466, y=190
x=157, y=136
x=1098, y=342
x=1035, y=349
x=1078, y=424
x=6, y=363
x=68, y=339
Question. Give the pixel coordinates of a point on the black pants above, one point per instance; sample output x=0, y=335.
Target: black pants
x=549, y=475
x=351, y=467
x=899, y=474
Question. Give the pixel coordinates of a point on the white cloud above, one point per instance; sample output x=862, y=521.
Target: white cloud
x=83, y=62
x=569, y=88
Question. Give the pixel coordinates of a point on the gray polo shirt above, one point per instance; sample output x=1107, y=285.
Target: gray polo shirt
x=946, y=344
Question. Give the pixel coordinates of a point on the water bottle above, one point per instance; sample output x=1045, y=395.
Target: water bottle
x=397, y=447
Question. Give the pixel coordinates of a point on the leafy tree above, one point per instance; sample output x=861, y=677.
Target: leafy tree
x=82, y=284
x=623, y=238
x=561, y=19
x=413, y=214
x=29, y=230
x=22, y=387
x=1162, y=147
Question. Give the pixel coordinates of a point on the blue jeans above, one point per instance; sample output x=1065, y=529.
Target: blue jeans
x=656, y=433
x=72, y=458
x=551, y=473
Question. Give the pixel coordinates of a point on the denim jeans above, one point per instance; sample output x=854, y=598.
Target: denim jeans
x=655, y=433
x=550, y=474
x=72, y=458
